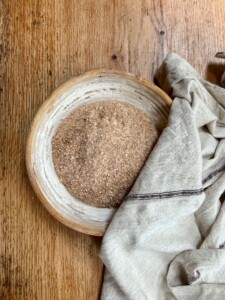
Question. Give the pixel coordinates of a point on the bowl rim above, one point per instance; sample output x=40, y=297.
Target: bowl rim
x=35, y=124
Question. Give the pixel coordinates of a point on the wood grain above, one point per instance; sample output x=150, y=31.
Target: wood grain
x=42, y=44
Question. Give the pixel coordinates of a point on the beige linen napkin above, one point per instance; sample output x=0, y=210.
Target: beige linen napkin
x=166, y=240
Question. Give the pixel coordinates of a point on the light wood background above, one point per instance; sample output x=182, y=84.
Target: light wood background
x=42, y=44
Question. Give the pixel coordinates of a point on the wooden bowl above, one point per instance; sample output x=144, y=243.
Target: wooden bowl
x=96, y=85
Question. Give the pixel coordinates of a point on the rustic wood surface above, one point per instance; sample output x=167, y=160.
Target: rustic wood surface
x=42, y=44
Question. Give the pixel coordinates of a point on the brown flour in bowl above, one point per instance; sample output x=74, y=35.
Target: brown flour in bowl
x=99, y=150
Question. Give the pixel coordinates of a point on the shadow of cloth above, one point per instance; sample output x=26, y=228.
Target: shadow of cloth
x=215, y=73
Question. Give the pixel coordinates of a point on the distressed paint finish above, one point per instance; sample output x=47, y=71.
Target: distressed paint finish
x=93, y=86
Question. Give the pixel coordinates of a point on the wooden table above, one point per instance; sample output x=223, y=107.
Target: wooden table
x=42, y=44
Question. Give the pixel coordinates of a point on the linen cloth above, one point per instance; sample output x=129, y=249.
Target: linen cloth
x=167, y=239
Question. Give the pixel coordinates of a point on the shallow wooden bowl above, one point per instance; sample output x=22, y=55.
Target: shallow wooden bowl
x=97, y=85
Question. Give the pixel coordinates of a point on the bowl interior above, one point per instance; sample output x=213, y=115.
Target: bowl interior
x=83, y=90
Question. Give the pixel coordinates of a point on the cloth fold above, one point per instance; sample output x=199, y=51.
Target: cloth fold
x=167, y=239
